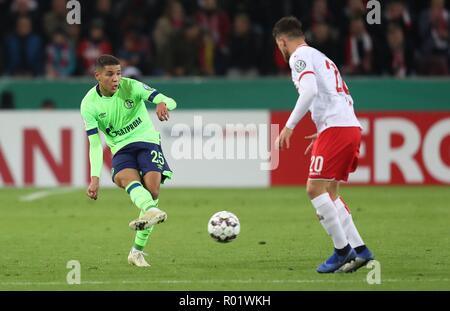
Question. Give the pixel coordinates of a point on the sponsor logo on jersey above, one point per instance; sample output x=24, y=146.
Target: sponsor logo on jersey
x=299, y=65
x=113, y=133
x=102, y=115
x=129, y=103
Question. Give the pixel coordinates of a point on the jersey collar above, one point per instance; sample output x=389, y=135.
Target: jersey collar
x=97, y=88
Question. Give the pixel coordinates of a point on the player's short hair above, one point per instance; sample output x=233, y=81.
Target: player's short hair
x=106, y=60
x=289, y=26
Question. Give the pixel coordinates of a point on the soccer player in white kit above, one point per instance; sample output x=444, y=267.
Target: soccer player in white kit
x=335, y=147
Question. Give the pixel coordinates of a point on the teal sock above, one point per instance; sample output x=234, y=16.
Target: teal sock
x=140, y=196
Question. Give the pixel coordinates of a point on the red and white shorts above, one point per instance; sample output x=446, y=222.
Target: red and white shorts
x=335, y=153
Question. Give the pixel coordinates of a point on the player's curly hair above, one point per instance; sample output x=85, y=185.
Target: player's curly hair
x=289, y=26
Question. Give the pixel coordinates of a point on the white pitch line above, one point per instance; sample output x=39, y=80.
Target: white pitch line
x=222, y=281
x=34, y=196
x=43, y=194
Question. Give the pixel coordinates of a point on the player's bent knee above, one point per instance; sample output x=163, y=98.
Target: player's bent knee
x=314, y=190
x=311, y=191
x=118, y=181
x=154, y=192
x=123, y=182
x=333, y=195
x=333, y=191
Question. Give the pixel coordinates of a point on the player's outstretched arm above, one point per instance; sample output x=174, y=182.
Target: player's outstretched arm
x=163, y=105
x=96, y=162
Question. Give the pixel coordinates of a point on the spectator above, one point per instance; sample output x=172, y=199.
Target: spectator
x=323, y=38
x=398, y=60
x=74, y=38
x=134, y=15
x=56, y=18
x=24, y=50
x=103, y=12
x=215, y=23
x=358, y=49
x=94, y=46
x=23, y=8
x=210, y=58
x=434, y=31
x=320, y=13
x=394, y=12
x=129, y=70
x=281, y=66
x=61, y=59
x=166, y=27
x=397, y=12
x=74, y=34
x=184, y=51
x=219, y=46
x=244, y=48
x=353, y=10
x=133, y=49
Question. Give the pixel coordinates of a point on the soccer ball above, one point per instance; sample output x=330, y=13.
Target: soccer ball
x=224, y=226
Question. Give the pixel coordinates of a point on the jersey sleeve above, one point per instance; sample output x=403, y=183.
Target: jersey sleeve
x=143, y=91
x=90, y=122
x=95, y=144
x=301, y=64
x=147, y=93
x=307, y=90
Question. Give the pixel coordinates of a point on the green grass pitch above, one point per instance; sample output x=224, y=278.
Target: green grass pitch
x=279, y=247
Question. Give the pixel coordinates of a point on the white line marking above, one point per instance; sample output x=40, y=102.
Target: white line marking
x=337, y=281
x=43, y=194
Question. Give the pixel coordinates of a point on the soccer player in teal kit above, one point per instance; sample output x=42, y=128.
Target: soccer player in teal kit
x=116, y=107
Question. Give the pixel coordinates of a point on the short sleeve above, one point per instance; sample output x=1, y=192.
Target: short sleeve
x=90, y=122
x=301, y=63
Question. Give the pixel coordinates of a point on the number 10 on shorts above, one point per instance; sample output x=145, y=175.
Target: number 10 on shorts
x=316, y=164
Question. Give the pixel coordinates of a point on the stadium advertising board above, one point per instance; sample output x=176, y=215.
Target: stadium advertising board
x=208, y=148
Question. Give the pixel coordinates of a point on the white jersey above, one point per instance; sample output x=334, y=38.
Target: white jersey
x=333, y=105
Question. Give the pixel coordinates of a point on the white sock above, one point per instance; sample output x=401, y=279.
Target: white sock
x=329, y=219
x=349, y=227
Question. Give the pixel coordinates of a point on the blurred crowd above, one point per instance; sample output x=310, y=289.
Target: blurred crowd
x=220, y=38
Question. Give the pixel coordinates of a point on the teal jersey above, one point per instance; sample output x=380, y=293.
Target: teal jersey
x=123, y=118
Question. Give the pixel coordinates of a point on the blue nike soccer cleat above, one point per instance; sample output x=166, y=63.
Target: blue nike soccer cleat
x=335, y=262
x=360, y=261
